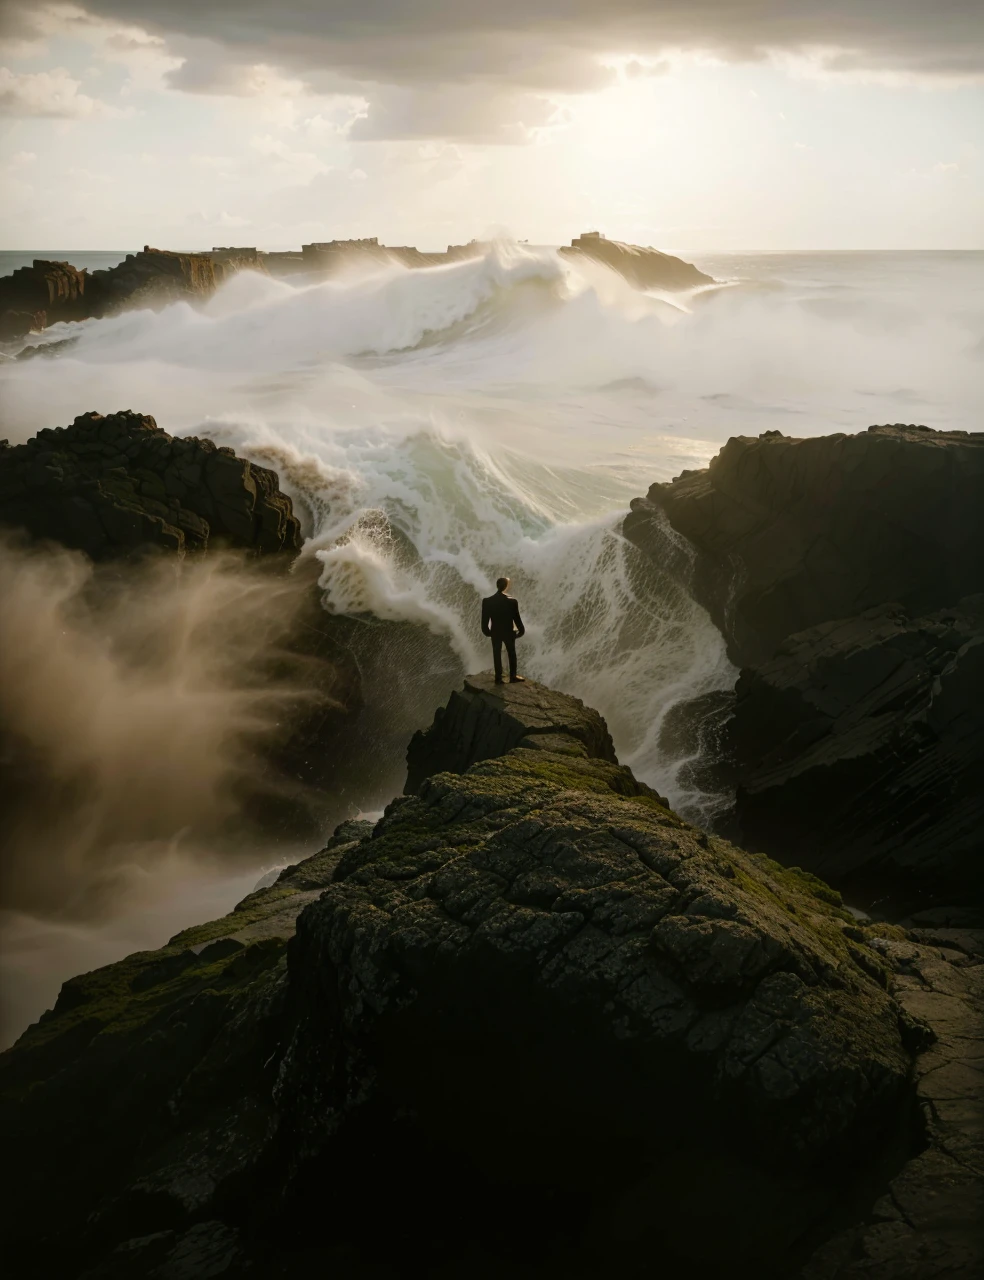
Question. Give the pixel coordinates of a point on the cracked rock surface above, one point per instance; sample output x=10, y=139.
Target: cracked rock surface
x=929, y=1225
x=530, y=1024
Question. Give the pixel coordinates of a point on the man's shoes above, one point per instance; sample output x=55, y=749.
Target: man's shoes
x=499, y=680
x=517, y=679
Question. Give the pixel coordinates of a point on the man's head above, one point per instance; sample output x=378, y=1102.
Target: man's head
x=502, y=584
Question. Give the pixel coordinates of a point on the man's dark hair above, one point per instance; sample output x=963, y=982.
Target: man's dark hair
x=501, y=584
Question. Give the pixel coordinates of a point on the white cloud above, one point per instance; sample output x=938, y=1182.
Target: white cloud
x=297, y=167
x=836, y=65
x=228, y=221
x=51, y=94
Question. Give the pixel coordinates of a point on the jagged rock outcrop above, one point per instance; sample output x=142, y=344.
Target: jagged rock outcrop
x=118, y=487
x=115, y=484
x=54, y=290
x=151, y=278
x=644, y=268
x=859, y=725
x=790, y=533
x=478, y=724
x=533, y=1009
x=858, y=750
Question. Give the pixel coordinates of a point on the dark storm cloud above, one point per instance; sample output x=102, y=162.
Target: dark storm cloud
x=545, y=44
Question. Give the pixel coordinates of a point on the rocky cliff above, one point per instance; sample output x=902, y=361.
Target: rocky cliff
x=791, y=533
x=531, y=1009
x=114, y=484
x=845, y=573
x=117, y=487
x=644, y=268
x=43, y=293
x=151, y=278
x=48, y=293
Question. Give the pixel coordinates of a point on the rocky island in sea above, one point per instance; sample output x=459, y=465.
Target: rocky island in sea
x=47, y=293
x=531, y=1021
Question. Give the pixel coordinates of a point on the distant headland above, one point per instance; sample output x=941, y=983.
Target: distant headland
x=48, y=292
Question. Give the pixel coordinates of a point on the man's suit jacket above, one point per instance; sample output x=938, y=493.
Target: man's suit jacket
x=500, y=616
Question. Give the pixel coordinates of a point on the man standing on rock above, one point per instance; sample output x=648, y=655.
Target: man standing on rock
x=501, y=621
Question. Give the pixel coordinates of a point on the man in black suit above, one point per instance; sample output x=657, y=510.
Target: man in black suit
x=501, y=621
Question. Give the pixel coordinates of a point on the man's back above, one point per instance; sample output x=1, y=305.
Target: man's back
x=500, y=615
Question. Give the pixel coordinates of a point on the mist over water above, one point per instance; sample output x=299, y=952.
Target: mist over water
x=439, y=428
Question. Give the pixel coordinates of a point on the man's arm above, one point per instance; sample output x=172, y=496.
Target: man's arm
x=486, y=619
x=520, y=629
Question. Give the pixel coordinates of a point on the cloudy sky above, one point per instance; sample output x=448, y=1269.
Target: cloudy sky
x=695, y=124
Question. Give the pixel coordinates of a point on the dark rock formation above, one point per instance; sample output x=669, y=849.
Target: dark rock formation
x=479, y=724
x=118, y=487
x=533, y=1010
x=55, y=289
x=152, y=278
x=16, y=325
x=790, y=533
x=110, y=485
x=643, y=268
x=51, y=292
x=858, y=750
x=836, y=568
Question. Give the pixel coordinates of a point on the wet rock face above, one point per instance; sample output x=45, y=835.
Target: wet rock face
x=791, y=533
x=110, y=485
x=531, y=996
x=858, y=749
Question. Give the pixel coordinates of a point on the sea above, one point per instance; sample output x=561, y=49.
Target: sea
x=439, y=428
